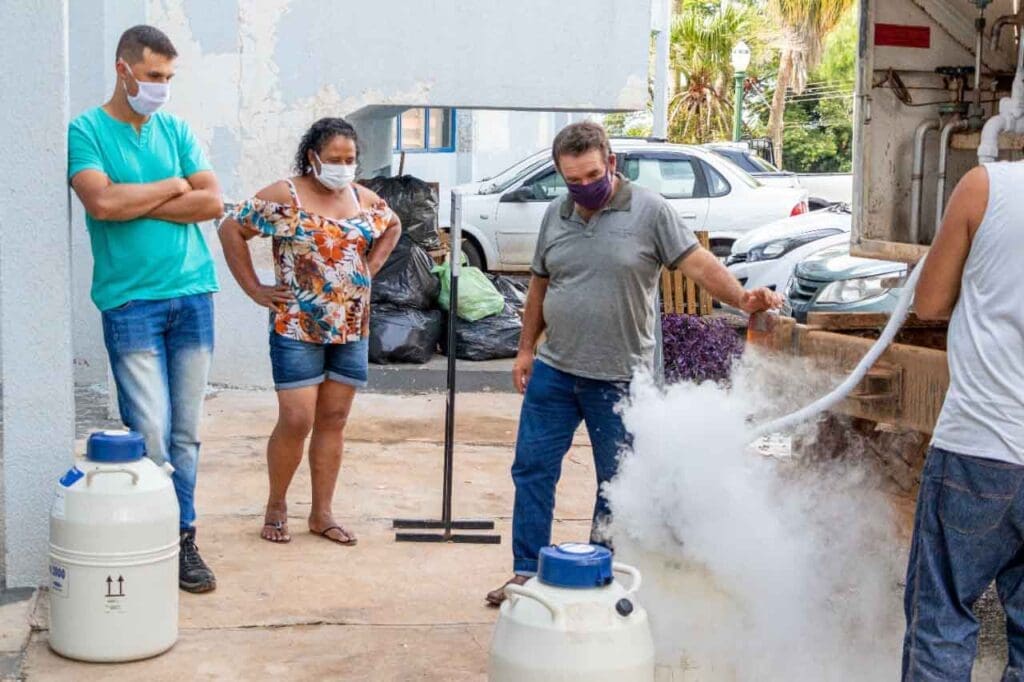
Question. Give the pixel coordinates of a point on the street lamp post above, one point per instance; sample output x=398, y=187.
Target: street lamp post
x=740, y=62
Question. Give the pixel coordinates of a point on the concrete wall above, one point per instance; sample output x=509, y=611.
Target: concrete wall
x=35, y=279
x=97, y=24
x=253, y=75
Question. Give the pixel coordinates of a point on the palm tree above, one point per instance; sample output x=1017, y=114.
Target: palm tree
x=804, y=25
x=702, y=38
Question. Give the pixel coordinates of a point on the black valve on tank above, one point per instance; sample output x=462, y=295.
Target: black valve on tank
x=624, y=607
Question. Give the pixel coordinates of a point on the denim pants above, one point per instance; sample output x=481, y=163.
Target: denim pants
x=968, y=532
x=554, y=406
x=160, y=357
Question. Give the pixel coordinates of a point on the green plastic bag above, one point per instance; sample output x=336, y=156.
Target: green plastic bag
x=478, y=297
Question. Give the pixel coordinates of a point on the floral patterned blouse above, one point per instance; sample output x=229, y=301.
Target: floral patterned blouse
x=323, y=261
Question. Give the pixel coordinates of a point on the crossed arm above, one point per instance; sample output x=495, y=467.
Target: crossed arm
x=176, y=200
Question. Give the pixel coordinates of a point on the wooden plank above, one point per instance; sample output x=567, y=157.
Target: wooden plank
x=666, y=292
x=1008, y=142
x=924, y=377
x=680, y=292
x=883, y=250
x=706, y=304
x=866, y=321
x=682, y=296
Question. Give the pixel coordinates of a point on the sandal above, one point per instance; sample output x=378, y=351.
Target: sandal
x=352, y=540
x=280, y=527
x=496, y=597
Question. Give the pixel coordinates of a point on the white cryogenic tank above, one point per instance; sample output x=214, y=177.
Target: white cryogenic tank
x=573, y=622
x=114, y=554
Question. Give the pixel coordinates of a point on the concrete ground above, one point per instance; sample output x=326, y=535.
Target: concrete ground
x=380, y=611
x=314, y=610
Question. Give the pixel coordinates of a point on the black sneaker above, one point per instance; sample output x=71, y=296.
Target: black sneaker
x=193, y=573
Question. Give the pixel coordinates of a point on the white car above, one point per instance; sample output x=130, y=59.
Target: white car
x=767, y=256
x=501, y=216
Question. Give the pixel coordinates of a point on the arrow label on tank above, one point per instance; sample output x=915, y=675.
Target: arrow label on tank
x=110, y=586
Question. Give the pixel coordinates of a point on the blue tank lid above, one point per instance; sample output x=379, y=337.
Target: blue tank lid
x=575, y=565
x=115, y=447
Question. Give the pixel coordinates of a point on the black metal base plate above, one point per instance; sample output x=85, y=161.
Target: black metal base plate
x=457, y=538
x=429, y=524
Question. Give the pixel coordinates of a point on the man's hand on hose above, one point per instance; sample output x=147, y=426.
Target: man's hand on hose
x=759, y=300
x=522, y=369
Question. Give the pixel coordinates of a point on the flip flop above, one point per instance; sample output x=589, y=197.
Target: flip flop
x=279, y=526
x=352, y=540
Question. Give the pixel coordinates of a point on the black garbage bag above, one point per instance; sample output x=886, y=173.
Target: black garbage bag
x=406, y=279
x=416, y=205
x=491, y=338
x=513, y=291
x=404, y=334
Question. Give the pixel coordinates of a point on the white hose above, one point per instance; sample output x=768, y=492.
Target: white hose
x=827, y=402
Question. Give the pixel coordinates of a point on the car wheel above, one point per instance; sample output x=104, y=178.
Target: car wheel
x=473, y=255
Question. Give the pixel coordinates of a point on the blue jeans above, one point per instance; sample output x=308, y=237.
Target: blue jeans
x=969, y=531
x=555, y=404
x=297, y=364
x=160, y=356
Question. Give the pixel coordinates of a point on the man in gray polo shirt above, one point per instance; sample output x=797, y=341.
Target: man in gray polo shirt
x=598, y=262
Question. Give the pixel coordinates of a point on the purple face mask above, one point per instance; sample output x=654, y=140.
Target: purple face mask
x=592, y=196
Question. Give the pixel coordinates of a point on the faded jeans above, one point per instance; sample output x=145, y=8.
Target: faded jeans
x=555, y=404
x=160, y=357
x=968, y=532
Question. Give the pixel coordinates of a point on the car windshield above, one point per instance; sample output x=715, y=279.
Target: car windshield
x=514, y=173
x=737, y=172
x=748, y=161
x=762, y=165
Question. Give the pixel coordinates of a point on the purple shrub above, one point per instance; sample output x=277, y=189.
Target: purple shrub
x=698, y=349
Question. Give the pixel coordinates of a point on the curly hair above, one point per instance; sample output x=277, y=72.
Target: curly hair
x=319, y=136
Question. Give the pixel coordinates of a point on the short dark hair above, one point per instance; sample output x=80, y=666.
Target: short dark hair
x=135, y=40
x=319, y=136
x=579, y=138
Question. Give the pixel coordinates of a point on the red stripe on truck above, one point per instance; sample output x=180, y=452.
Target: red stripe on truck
x=896, y=35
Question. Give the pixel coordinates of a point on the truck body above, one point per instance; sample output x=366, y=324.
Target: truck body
x=919, y=114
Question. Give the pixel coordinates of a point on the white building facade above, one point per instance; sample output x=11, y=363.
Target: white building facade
x=252, y=75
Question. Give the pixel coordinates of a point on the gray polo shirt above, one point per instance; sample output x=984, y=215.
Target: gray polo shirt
x=602, y=275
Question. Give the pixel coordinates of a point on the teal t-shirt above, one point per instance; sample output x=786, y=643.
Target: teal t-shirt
x=141, y=259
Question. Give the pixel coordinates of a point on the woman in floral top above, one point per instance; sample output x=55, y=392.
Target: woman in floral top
x=330, y=237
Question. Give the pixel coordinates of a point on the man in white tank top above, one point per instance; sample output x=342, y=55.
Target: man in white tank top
x=969, y=528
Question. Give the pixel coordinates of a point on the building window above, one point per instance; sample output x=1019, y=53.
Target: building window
x=425, y=130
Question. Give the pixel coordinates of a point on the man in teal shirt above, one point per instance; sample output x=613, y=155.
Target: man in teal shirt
x=145, y=183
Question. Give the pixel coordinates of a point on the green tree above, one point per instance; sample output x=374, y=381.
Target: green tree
x=803, y=26
x=818, y=134
x=703, y=35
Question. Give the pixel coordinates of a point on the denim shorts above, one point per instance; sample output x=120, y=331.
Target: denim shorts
x=297, y=364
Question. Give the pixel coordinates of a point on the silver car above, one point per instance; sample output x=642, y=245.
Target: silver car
x=833, y=281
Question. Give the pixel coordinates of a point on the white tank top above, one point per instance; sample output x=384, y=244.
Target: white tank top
x=983, y=414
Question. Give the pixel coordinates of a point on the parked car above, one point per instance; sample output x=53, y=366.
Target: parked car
x=743, y=156
x=767, y=255
x=834, y=281
x=501, y=216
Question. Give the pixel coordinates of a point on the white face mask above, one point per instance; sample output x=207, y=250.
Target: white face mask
x=149, y=98
x=334, y=176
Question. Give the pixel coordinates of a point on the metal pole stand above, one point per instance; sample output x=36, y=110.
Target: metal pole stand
x=446, y=524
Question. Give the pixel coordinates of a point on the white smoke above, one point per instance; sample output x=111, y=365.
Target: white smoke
x=755, y=569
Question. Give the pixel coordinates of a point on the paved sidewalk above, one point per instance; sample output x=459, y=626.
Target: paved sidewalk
x=313, y=610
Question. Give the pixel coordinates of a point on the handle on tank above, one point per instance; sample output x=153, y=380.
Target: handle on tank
x=557, y=612
x=118, y=470
x=632, y=572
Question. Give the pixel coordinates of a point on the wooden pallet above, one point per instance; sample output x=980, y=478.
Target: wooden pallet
x=681, y=295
